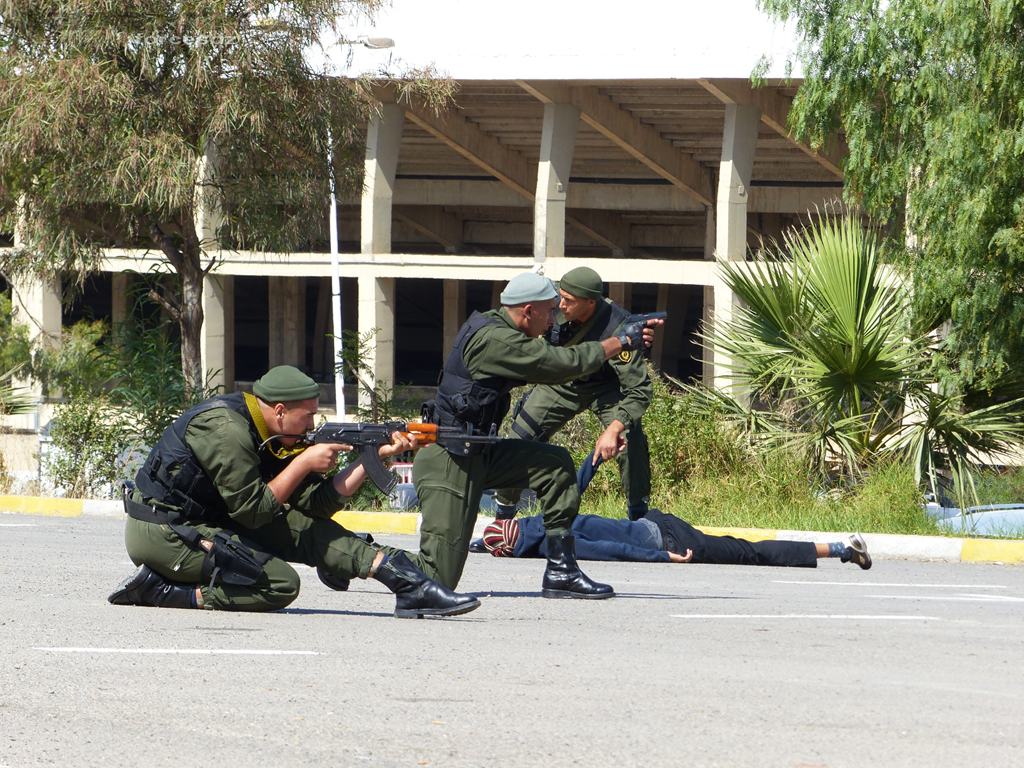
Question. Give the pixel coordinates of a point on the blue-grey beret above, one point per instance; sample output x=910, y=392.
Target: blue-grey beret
x=527, y=287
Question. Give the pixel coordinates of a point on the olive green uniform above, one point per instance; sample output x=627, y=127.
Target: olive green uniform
x=225, y=444
x=621, y=390
x=450, y=486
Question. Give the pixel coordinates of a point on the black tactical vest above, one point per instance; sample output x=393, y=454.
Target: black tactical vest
x=171, y=474
x=463, y=402
x=609, y=317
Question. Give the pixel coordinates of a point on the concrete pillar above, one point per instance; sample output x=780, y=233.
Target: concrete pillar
x=739, y=142
x=217, y=341
x=383, y=139
x=708, y=310
x=658, y=346
x=287, y=300
x=208, y=218
x=454, y=311
x=120, y=305
x=772, y=229
x=38, y=306
x=621, y=294
x=557, y=143
x=323, y=347
x=377, y=311
x=217, y=336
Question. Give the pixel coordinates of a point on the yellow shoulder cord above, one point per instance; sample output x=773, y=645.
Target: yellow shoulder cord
x=283, y=452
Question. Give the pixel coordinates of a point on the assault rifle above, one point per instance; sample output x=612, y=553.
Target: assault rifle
x=369, y=437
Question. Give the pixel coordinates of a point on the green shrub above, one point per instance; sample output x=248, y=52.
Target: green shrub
x=685, y=446
x=145, y=364
x=98, y=437
x=88, y=439
x=704, y=472
x=15, y=347
x=77, y=365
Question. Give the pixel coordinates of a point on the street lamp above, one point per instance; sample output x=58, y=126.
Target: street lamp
x=373, y=43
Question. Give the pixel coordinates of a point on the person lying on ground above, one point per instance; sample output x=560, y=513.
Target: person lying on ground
x=662, y=538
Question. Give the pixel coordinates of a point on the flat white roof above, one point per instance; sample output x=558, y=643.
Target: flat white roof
x=566, y=39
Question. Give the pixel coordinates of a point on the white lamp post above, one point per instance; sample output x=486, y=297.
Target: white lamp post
x=374, y=43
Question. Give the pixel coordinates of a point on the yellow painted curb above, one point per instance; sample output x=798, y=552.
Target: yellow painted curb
x=976, y=550
x=377, y=522
x=40, y=505
x=750, y=534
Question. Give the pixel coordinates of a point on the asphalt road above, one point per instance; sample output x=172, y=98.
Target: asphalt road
x=910, y=663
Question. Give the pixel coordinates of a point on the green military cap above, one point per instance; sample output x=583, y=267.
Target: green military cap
x=285, y=384
x=582, y=282
x=527, y=287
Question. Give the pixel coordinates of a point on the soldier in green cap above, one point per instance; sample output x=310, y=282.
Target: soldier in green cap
x=493, y=353
x=228, y=497
x=618, y=393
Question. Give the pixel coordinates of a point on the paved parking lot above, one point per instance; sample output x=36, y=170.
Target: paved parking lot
x=911, y=663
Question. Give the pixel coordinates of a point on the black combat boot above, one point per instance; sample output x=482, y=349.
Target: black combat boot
x=416, y=594
x=563, y=577
x=147, y=587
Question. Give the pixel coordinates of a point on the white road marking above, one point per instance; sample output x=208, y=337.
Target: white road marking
x=950, y=598
x=18, y=525
x=194, y=651
x=886, y=617
x=883, y=584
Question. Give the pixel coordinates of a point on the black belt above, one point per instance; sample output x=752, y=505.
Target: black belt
x=232, y=560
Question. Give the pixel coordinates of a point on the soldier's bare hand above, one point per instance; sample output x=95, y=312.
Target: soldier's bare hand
x=649, y=331
x=323, y=457
x=401, y=442
x=608, y=446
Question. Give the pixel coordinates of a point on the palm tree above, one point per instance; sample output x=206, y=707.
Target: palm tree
x=13, y=400
x=824, y=357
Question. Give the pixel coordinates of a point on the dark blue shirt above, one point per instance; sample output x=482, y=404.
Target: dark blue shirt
x=597, y=538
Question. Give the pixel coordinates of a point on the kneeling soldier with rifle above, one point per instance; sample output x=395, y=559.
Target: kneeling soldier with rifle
x=493, y=353
x=218, y=511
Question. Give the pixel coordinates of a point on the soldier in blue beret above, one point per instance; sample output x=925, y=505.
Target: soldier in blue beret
x=493, y=353
x=618, y=393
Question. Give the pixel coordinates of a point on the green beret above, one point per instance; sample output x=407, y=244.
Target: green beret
x=527, y=287
x=285, y=384
x=583, y=282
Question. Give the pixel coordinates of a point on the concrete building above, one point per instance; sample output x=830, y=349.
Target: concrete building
x=614, y=142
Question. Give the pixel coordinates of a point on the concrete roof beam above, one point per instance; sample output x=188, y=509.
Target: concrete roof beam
x=774, y=108
x=623, y=129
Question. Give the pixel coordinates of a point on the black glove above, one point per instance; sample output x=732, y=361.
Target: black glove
x=631, y=335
